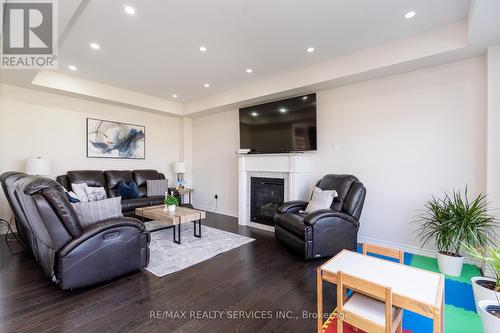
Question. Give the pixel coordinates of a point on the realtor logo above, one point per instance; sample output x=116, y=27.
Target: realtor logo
x=29, y=31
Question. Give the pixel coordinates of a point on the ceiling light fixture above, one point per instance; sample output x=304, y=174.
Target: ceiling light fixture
x=249, y=70
x=72, y=67
x=310, y=49
x=129, y=10
x=203, y=48
x=175, y=95
x=207, y=85
x=304, y=98
x=95, y=46
x=254, y=114
x=283, y=110
x=410, y=14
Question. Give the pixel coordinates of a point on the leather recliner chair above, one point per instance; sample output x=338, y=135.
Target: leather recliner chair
x=325, y=232
x=72, y=255
x=22, y=227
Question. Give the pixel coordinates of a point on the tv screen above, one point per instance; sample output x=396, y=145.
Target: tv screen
x=283, y=126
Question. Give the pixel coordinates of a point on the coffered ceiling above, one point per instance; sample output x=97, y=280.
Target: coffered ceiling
x=156, y=50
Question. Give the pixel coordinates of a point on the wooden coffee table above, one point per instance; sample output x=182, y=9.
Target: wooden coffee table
x=176, y=218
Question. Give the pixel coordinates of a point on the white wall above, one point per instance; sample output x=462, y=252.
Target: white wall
x=493, y=160
x=186, y=149
x=215, y=166
x=493, y=76
x=35, y=123
x=406, y=137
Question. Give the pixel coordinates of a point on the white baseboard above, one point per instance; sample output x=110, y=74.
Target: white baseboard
x=260, y=226
x=218, y=211
x=406, y=248
x=232, y=214
x=489, y=272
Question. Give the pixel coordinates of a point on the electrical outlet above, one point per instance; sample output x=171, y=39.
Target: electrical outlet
x=216, y=196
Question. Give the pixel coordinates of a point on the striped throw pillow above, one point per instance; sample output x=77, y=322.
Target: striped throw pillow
x=91, y=212
x=156, y=187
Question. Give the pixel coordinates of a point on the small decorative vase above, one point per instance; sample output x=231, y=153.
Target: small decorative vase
x=171, y=208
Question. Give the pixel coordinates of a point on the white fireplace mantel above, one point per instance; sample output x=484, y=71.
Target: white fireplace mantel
x=294, y=168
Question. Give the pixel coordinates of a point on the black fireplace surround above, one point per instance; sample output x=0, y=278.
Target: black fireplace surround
x=266, y=195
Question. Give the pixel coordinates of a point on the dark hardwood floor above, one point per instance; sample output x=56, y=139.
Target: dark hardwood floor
x=258, y=279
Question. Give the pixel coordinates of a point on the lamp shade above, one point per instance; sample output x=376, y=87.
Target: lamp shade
x=38, y=166
x=180, y=167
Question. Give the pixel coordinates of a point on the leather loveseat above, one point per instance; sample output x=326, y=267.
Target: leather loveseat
x=325, y=232
x=70, y=254
x=109, y=180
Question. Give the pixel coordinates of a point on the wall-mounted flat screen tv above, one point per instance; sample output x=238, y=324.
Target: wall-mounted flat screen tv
x=278, y=127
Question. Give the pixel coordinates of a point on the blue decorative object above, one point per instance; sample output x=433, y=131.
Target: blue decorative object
x=111, y=139
x=128, y=191
x=72, y=199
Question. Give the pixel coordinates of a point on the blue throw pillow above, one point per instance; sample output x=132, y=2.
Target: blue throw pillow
x=128, y=191
x=71, y=198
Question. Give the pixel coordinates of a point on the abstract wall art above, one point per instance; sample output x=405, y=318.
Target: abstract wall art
x=110, y=139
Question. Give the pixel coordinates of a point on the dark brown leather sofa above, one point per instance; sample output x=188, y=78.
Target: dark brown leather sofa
x=325, y=232
x=70, y=254
x=109, y=180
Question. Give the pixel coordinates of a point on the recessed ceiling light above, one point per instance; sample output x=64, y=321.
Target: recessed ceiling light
x=283, y=110
x=203, y=48
x=207, y=85
x=410, y=14
x=175, y=95
x=95, y=46
x=249, y=70
x=254, y=114
x=129, y=10
x=72, y=67
x=310, y=49
x=304, y=98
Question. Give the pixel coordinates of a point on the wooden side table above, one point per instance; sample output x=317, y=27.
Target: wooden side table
x=184, y=191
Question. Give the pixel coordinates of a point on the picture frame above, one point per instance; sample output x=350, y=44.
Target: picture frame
x=112, y=139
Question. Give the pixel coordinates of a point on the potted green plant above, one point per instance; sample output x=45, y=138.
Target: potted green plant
x=171, y=202
x=487, y=290
x=452, y=221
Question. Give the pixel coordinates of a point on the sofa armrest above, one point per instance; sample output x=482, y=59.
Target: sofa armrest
x=314, y=217
x=98, y=227
x=292, y=206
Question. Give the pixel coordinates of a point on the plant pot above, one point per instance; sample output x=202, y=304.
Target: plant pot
x=490, y=322
x=450, y=265
x=482, y=293
x=171, y=208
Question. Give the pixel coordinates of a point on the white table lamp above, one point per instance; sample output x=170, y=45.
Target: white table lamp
x=180, y=169
x=38, y=166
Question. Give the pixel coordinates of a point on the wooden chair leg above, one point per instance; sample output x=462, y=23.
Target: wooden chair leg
x=399, y=328
x=340, y=325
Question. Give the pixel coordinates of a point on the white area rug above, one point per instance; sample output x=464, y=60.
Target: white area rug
x=167, y=257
